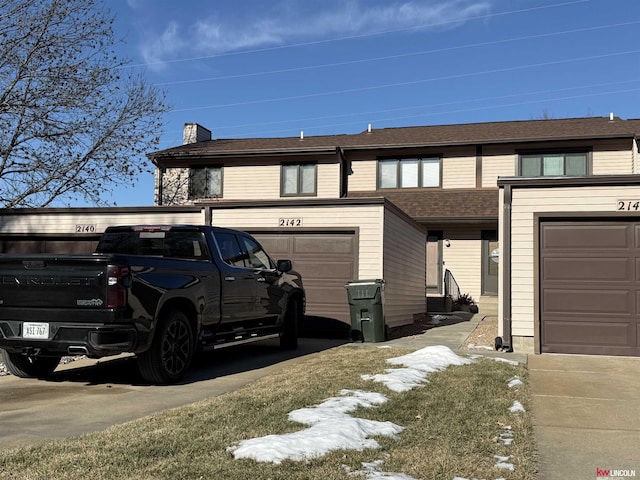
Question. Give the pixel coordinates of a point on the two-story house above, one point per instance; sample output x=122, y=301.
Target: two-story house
x=450, y=180
x=540, y=216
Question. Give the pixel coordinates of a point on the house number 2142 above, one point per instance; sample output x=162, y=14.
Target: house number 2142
x=290, y=222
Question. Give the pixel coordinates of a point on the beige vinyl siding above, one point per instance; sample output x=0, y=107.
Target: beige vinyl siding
x=366, y=220
x=256, y=182
x=494, y=166
x=328, y=180
x=64, y=222
x=364, y=174
x=463, y=258
x=458, y=171
x=525, y=203
x=613, y=157
x=404, y=272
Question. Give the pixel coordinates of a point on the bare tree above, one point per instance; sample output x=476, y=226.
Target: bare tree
x=73, y=119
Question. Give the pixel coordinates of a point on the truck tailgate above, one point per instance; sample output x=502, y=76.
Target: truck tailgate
x=44, y=281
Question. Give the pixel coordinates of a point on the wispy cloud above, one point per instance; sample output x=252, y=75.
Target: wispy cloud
x=294, y=22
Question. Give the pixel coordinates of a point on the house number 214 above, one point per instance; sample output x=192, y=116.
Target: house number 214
x=628, y=205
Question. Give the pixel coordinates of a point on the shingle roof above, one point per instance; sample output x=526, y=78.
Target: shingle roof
x=442, y=204
x=436, y=135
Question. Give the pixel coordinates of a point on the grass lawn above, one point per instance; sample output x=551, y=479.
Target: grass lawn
x=453, y=426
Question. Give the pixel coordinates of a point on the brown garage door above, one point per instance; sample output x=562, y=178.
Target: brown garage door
x=326, y=261
x=590, y=287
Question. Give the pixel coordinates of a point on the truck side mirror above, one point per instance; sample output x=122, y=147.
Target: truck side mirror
x=284, y=266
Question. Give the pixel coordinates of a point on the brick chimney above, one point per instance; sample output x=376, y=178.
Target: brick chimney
x=194, y=133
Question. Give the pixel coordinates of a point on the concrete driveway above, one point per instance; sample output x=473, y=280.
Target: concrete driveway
x=587, y=415
x=89, y=395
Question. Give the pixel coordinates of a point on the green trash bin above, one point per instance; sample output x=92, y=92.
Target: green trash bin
x=365, y=307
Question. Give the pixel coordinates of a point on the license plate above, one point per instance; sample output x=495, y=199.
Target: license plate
x=35, y=330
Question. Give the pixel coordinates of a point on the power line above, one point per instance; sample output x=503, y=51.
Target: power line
x=402, y=55
x=407, y=83
x=352, y=37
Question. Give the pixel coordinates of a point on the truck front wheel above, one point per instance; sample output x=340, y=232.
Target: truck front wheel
x=171, y=351
x=29, y=367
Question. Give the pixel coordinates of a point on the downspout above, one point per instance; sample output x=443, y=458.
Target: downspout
x=505, y=343
x=345, y=171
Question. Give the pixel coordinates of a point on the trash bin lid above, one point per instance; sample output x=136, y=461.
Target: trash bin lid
x=358, y=283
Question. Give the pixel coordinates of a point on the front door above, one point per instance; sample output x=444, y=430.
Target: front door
x=434, y=262
x=490, y=262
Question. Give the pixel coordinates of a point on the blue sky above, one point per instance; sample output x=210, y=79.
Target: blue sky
x=269, y=68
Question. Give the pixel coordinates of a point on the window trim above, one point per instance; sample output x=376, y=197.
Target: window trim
x=398, y=161
x=191, y=196
x=299, y=179
x=588, y=152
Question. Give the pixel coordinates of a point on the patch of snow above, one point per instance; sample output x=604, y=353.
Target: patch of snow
x=505, y=466
x=331, y=429
x=503, y=463
x=482, y=347
x=372, y=472
x=399, y=379
x=514, y=382
x=418, y=365
x=516, y=407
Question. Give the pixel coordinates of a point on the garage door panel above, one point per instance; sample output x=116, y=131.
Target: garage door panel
x=585, y=269
x=588, y=301
x=277, y=246
x=585, y=236
x=330, y=270
x=323, y=244
x=614, y=334
x=590, y=287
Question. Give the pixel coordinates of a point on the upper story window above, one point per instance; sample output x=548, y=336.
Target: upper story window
x=205, y=182
x=298, y=179
x=554, y=165
x=409, y=172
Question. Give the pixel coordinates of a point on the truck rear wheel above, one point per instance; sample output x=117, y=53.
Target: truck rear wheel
x=289, y=334
x=171, y=351
x=29, y=367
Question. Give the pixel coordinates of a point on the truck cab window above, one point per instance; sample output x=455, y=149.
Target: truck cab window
x=258, y=258
x=230, y=250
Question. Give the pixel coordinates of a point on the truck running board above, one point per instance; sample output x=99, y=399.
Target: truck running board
x=242, y=340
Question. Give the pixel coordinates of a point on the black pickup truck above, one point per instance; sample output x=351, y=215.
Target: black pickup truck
x=162, y=292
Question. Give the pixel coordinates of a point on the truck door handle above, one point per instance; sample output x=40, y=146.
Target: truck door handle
x=229, y=279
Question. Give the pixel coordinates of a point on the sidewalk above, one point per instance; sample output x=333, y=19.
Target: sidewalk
x=586, y=411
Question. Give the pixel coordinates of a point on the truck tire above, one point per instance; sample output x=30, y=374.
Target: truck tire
x=29, y=367
x=171, y=351
x=289, y=334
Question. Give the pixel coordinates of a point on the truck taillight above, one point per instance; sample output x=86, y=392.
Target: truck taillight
x=116, y=289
